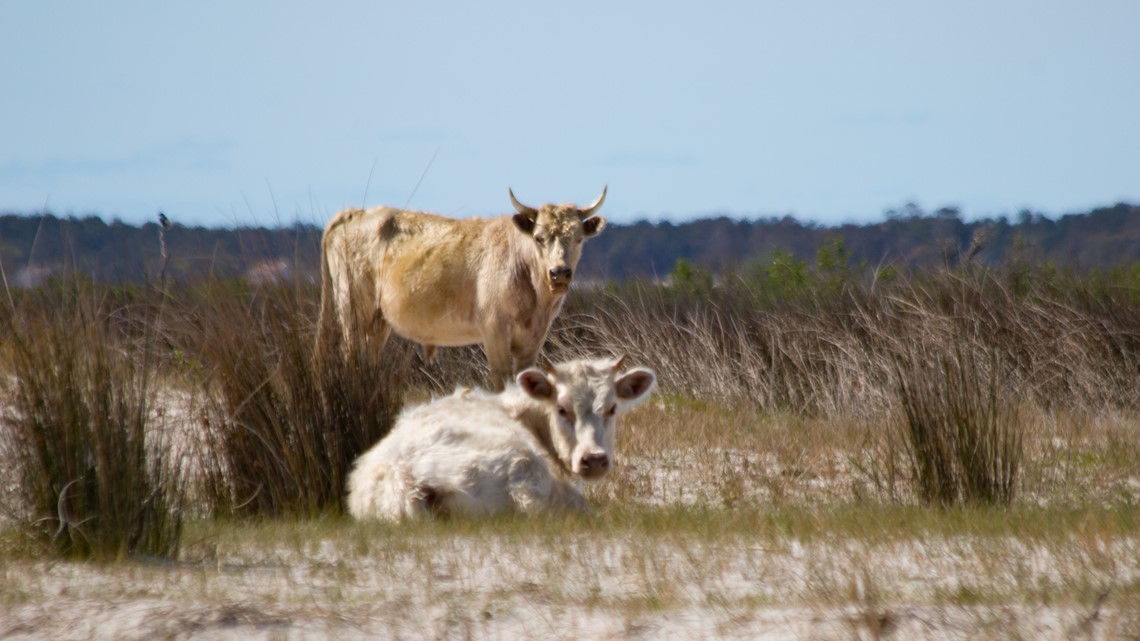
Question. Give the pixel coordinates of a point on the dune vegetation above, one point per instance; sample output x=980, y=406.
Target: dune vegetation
x=833, y=452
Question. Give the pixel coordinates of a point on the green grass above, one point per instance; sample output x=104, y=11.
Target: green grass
x=872, y=523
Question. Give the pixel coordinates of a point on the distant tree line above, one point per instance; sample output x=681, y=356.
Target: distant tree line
x=34, y=247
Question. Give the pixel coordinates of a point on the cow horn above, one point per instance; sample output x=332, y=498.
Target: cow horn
x=618, y=363
x=589, y=211
x=546, y=365
x=521, y=208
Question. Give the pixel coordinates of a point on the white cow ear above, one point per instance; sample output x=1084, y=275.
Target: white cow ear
x=635, y=384
x=536, y=384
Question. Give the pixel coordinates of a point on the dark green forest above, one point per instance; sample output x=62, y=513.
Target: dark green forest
x=35, y=247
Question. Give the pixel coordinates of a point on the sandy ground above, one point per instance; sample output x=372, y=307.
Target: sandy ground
x=487, y=588
x=156, y=619
x=595, y=588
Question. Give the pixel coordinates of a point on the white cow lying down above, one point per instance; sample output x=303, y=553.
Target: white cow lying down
x=525, y=448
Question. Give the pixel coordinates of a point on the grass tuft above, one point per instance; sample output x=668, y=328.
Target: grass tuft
x=284, y=427
x=94, y=481
x=964, y=438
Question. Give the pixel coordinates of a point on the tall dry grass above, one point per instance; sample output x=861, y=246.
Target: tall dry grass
x=79, y=437
x=962, y=432
x=943, y=360
x=282, y=427
x=832, y=352
x=952, y=352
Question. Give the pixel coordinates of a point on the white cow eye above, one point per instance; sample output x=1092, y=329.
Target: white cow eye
x=541, y=240
x=611, y=410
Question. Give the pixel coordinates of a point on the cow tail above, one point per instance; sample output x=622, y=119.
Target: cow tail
x=326, y=319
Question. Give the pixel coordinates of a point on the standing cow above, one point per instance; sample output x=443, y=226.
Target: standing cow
x=525, y=449
x=444, y=281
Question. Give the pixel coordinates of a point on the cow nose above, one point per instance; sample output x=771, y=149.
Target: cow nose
x=562, y=273
x=594, y=464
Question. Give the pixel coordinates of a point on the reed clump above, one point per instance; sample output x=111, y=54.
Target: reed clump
x=81, y=440
x=962, y=432
x=282, y=426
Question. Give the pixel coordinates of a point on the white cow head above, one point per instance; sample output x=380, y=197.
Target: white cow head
x=558, y=232
x=584, y=399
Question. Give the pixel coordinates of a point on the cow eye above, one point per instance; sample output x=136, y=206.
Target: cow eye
x=563, y=412
x=541, y=240
x=611, y=410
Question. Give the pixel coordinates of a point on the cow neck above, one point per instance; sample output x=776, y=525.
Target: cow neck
x=526, y=260
x=536, y=418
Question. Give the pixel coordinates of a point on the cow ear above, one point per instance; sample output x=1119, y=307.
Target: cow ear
x=592, y=226
x=536, y=384
x=635, y=384
x=524, y=222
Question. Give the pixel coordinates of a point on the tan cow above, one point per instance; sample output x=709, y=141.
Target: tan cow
x=445, y=281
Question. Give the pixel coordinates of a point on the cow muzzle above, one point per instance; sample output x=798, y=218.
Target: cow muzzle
x=560, y=277
x=594, y=465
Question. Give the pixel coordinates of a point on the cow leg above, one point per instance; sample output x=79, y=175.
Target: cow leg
x=424, y=501
x=529, y=485
x=567, y=498
x=526, y=357
x=498, y=349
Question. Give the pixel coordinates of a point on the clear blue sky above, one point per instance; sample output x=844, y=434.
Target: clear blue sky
x=252, y=112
